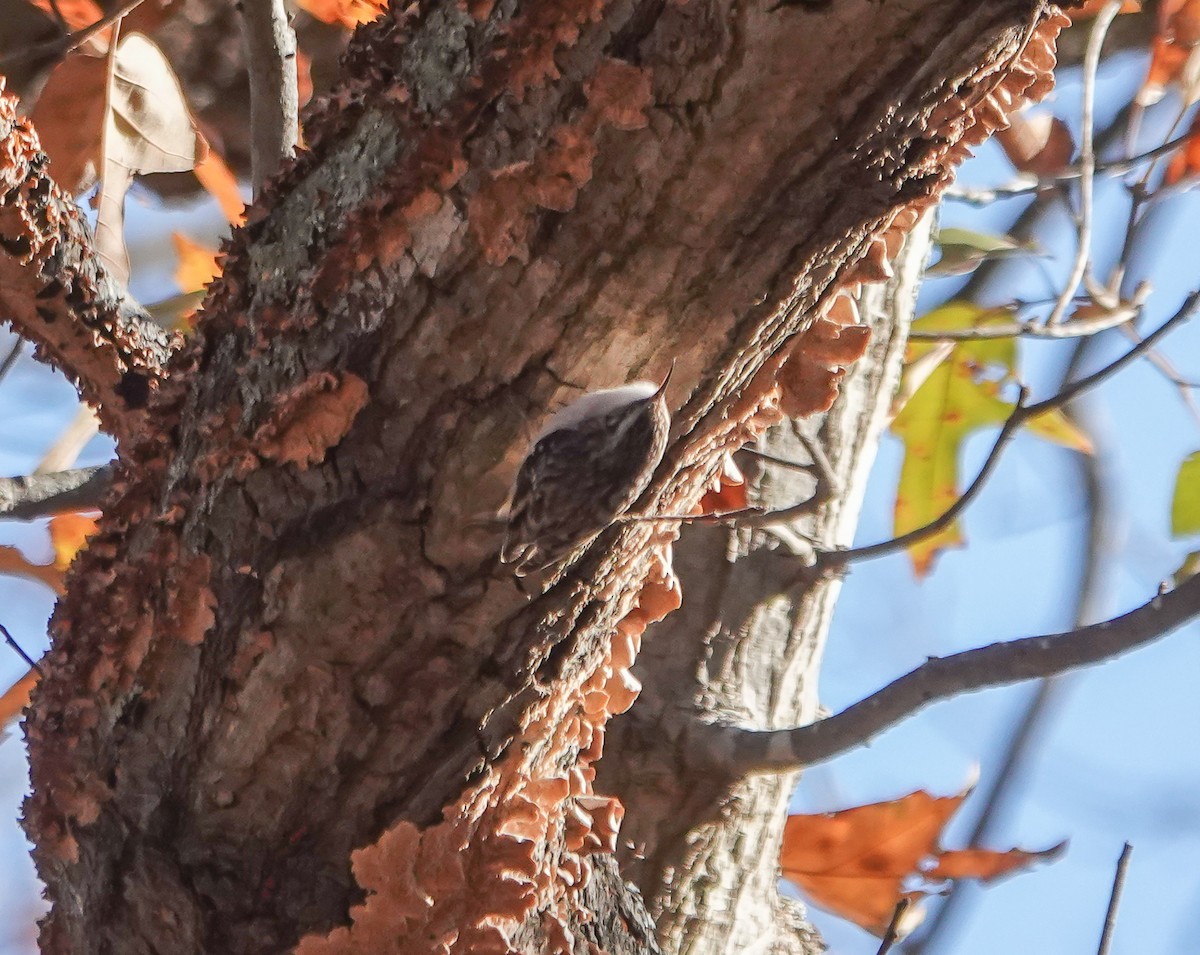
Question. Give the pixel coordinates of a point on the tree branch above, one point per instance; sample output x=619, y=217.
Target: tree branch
x=8, y=638
x=274, y=101
x=1087, y=162
x=1022, y=413
x=1079, y=328
x=40, y=495
x=1031, y=184
x=56, y=293
x=1114, y=900
x=742, y=751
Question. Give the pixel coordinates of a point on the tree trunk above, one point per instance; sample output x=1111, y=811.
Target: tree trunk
x=746, y=653
x=290, y=638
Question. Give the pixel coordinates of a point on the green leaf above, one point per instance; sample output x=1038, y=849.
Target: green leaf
x=1055, y=426
x=964, y=250
x=1185, y=505
x=1189, y=568
x=960, y=396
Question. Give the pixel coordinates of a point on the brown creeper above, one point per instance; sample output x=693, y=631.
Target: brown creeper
x=585, y=468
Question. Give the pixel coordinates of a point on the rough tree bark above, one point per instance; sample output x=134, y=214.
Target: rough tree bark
x=289, y=639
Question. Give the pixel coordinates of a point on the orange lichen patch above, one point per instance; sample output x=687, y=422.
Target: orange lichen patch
x=844, y=310
x=728, y=491
x=875, y=266
x=310, y=419
x=250, y=651
x=535, y=67
x=194, y=604
x=619, y=94
x=500, y=212
x=810, y=377
x=659, y=596
x=499, y=218
x=566, y=167
x=545, y=28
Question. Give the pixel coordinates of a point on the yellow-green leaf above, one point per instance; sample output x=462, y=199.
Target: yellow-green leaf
x=951, y=404
x=960, y=396
x=1055, y=426
x=1189, y=568
x=1185, y=505
x=963, y=250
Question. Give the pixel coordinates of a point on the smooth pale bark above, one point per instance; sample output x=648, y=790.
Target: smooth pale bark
x=290, y=637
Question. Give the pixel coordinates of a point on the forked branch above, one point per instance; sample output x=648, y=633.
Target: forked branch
x=57, y=294
x=1023, y=412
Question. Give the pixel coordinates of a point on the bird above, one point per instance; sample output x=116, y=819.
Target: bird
x=587, y=465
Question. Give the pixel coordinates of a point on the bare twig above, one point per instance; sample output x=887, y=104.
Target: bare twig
x=56, y=292
x=1114, y=167
x=1079, y=328
x=40, y=495
x=1022, y=413
x=839, y=558
x=755, y=516
x=1114, y=900
x=10, y=359
x=270, y=46
x=1168, y=371
x=892, y=935
x=740, y=752
x=8, y=638
x=1087, y=161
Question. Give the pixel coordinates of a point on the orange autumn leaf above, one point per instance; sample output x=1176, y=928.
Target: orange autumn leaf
x=1040, y=144
x=12, y=561
x=1178, y=31
x=76, y=13
x=1186, y=162
x=16, y=697
x=197, y=263
x=858, y=862
x=69, y=534
x=987, y=864
x=220, y=183
x=349, y=13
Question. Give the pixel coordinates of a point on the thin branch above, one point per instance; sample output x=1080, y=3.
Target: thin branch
x=1114, y=167
x=1182, y=386
x=1086, y=383
x=55, y=291
x=1079, y=328
x=892, y=935
x=8, y=638
x=742, y=751
x=1008, y=431
x=1087, y=161
x=824, y=491
x=11, y=358
x=1021, y=414
x=1114, y=900
x=41, y=495
x=270, y=46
